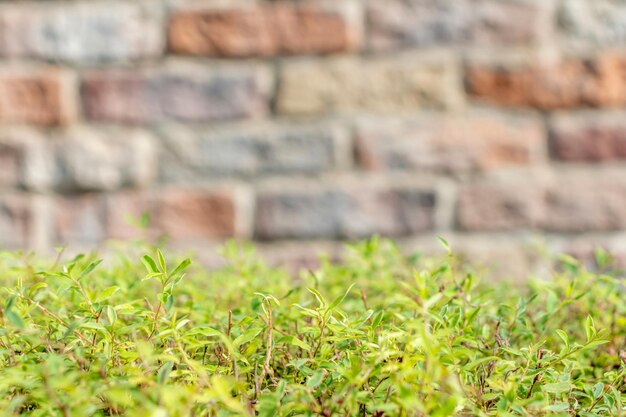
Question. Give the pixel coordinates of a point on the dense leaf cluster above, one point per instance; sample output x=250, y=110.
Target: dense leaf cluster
x=378, y=335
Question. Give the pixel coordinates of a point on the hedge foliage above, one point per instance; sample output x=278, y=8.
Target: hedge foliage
x=380, y=334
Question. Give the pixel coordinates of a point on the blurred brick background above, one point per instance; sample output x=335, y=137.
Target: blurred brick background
x=300, y=124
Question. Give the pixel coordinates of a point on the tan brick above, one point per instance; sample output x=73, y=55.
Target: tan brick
x=594, y=82
x=102, y=159
x=592, y=137
x=40, y=97
x=451, y=144
x=262, y=30
x=398, y=84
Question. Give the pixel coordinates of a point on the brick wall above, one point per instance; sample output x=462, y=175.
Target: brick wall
x=300, y=124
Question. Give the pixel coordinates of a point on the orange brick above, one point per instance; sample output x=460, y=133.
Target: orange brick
x=260, y=31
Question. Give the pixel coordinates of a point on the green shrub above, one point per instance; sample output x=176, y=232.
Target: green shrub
x=377, y=335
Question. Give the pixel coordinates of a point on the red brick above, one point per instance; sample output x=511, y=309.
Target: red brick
x=451, y=144
x=196, y=215
x=15, y=221
x=186, y=95
x=589, y=138
x=182, y=215
x=125, y=207
x=35, y=97
x=266, y=30
x=501, y=206
x=594, y=82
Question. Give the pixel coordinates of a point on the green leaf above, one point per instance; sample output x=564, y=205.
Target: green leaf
x=445, y=244
x=597, y=390
x=112, y=315
x=563, y=337
x=318, y=296
x=557, y=387
x=162, y=261
x=316, y=379
x=164, y=372
x=106, y=294
x=590, y=328
x=14, y=318
x=181, y=267
x=340, y=299
x=150, y=264
x=169, y=302
x=89, y=268
x=292, y=340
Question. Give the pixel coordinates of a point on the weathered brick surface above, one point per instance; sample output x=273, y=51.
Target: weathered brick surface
x=422, y=23
x=589, y=137
x=599, y=22
x=186, y=94
x=581, y=204
x=15, y=220
x=264, y=30
x=384, y=85
x=506, y=205
x=24, y=159
x=311, y=120
x=102, y=159
x=593, y=82
x=568, y=202
x=83, y=32
x=39, y=97
x=451, y=144
x=339, y=213
x=257, y=150
x=79, y=219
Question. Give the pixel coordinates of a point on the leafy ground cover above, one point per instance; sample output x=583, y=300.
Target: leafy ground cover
x=380, y=334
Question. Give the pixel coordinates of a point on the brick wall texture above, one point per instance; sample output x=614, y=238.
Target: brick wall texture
x=300, y=124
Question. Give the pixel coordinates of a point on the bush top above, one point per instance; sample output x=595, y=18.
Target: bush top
x=377, y=335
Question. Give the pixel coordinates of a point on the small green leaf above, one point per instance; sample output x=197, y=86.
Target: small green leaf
x=164, y=372
x=315, y=379
x=564, y=337
x=597, y=390
x=590, y=328
x=111, y=314
x=181, y=267
x=169, y=302
x=106, y=294
x=162, y=261
x=14, y=318
x=150, y=264
x=89, y=268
